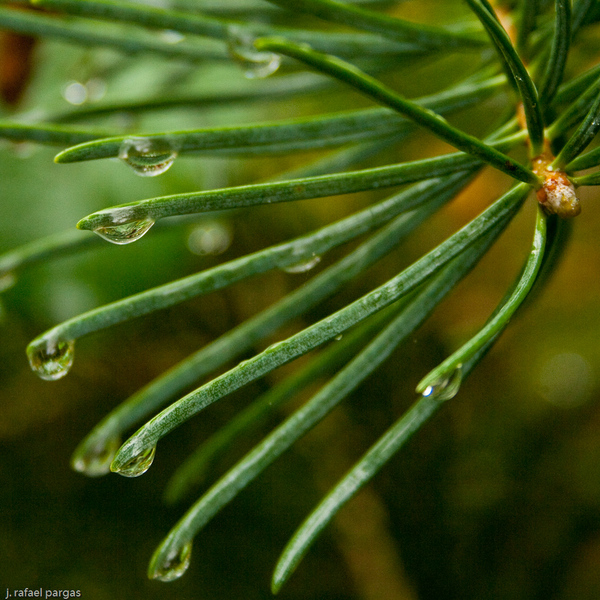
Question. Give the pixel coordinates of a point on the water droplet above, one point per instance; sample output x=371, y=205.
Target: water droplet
x=94, y=459
x=50, y=359
x=445, y=389
x=148, y=157
x=303, y=266
x=139, y=464
x=175, y=565
x=125, y=233
x=273, y=347
x=256, y=64
x=338, y=337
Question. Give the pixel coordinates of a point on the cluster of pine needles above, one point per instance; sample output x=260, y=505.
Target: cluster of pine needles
x=548, y=114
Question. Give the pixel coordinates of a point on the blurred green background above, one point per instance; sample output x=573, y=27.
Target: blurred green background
x=498, y=497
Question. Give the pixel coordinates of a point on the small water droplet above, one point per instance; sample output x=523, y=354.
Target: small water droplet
x=445, y=389
x=148, y=157
x=125, y=233
x=139, y=464
x=175, y=565
x=94, y=459
x=338, y=337
x=50, y=359
x=256, y=64
x=303, y=266
x=273, y=347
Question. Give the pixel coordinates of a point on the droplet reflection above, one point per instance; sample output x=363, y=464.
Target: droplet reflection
x=50, y=359
x=125, y=233
x=138, y=465
x=175, y=565
x=256, y=64
x=446, y=388
x=303, y=266
x=148, y=156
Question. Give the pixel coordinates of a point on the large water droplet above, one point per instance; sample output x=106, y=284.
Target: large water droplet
x=147, y=156
x=303, y=266
x=94, y=459
x=175, y=565
x=256, y=64
x=139, y=464
x=50, y=359
x=125, y=233
x=445, y=388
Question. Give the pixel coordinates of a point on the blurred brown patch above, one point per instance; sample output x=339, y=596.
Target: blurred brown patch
x=16, y=62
